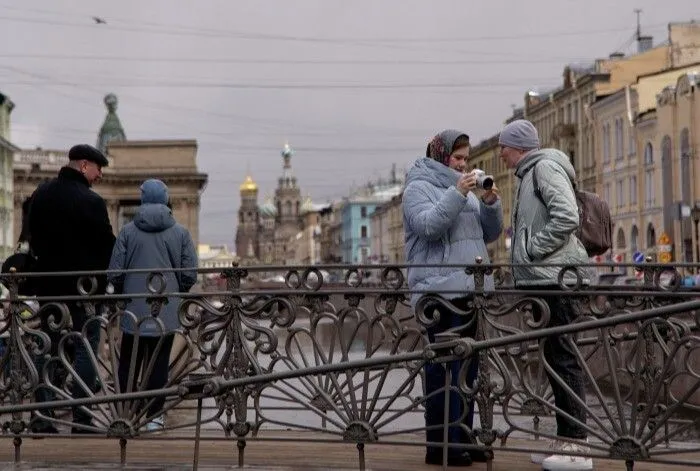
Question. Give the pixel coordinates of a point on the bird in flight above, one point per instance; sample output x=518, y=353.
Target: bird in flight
x=99, y=20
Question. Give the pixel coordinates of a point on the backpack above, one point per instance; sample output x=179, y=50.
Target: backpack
x=595, y=223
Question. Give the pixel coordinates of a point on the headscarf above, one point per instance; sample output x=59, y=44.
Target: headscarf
x=441, y=146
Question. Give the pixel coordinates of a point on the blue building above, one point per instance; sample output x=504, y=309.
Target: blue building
x=356, y=238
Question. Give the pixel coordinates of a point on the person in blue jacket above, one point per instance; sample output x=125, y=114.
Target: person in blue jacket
x=445, y=222
x=153, y=240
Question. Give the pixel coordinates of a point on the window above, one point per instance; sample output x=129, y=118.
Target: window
x=648, y=154
x=651, y=236
x=619, y=140
x=685, y=166
x=631, y=142
x=634, y=236
x=606, y=192
x=363, y=211
x=633, y=190
x=606, y=143
x=667, y=183
x=619, y=190
x=363, y=232
x=649, y=189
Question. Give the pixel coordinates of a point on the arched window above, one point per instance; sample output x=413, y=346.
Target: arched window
x=651, y=236
x=621, y=243
x=648, y=154
x=685, y=166
x=634, y=236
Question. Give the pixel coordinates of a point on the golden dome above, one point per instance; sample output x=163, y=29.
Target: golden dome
x=249, y=184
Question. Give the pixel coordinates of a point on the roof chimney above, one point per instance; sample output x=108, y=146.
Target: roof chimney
x=644, y=43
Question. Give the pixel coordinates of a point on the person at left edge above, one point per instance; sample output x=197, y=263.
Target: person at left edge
x=69, y=230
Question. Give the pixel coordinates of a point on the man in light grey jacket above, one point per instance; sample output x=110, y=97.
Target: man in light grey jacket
x=544, y=225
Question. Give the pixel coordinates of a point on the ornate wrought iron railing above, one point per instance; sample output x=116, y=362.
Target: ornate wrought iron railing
x=344, y=361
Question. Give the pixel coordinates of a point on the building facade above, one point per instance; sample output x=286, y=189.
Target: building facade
x=267, y=233
x=356, y=245
x=8, y=241
x=130, y=163
x=645, y=136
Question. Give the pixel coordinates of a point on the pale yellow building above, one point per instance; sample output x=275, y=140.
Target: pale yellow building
x=388, y=236
x=645, y=135
x=562, y=116
x=486, y=156
x=306, y=244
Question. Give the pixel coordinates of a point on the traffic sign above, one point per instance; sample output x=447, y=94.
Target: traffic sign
x=638, y=257
x=664, y=239
x=665, y=257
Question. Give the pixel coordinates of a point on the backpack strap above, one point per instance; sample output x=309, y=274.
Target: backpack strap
x=536, y=185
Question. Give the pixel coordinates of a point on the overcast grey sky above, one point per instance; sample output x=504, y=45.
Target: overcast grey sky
x=353, y=85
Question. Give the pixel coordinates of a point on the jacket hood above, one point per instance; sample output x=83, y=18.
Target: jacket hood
x=433, y=172
x=154, y=218
x=538, y=155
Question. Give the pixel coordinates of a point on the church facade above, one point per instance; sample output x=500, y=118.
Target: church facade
x=265, y=231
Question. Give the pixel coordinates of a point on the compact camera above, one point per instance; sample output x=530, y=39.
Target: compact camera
x=483, y=181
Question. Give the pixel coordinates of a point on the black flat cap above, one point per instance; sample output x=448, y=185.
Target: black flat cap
x=87, y=152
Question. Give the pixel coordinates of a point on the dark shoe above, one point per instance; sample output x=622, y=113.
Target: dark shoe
x=81, y=430
x=452, y=460
x=42, y=427
x=480, y=456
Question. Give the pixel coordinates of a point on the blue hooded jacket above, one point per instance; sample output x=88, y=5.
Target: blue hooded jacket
x=443, y=226
x=153, y=240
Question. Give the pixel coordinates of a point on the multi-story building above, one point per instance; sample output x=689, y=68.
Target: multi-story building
x=355, y=220
x=562, y=115
x=563, y=118
x=486, y=156
x=678, y=136
x=331, y=233
x=307, y=242
x=643, y=134
x=388, y=237
x=130, y=163
x=7, y=150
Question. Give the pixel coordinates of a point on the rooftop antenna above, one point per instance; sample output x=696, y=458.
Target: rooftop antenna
x=638, y=12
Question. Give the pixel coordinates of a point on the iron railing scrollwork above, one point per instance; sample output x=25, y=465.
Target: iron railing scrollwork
x=346, y=360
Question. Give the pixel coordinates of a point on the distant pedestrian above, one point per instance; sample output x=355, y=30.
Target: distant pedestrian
x=69, y=230
x=152, y=241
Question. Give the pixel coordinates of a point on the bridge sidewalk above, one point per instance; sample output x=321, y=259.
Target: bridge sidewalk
x=176, y=453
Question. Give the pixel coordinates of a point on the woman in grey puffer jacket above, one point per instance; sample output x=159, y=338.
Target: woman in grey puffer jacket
x=153, y=240
x=446, y=223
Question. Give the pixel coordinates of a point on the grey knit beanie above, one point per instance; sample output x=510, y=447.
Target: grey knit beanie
x=520, y=134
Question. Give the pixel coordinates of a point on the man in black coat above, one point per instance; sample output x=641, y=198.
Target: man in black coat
x=69, y=230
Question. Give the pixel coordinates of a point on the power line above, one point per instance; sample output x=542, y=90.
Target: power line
x=184, y=30
x=329, y=62
x=280, y=86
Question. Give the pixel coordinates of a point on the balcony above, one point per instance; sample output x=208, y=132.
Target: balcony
x=564, y=131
